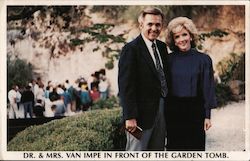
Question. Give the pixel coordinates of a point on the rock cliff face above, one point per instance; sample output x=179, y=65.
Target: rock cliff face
x=48, y=49
x=229, y=19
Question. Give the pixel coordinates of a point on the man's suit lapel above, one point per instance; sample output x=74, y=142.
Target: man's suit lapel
x=145, y=53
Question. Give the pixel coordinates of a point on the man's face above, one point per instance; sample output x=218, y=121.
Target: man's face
x=151, y=26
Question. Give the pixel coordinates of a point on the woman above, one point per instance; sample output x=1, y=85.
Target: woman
x=191, y=88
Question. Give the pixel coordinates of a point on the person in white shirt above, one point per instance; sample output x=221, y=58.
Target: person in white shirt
x=103, y=87
x=40, y=95
x=12, y=97
x=34, y=88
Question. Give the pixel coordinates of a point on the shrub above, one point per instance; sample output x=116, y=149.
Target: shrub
x=108, y=103
x=239, y=72
x=223, y=94
x=89, y=131
x=232, y=68
x=19, y=72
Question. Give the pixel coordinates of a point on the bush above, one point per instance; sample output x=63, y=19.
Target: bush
x=19, y=72
x=89, y=131
x=108, y=103
x=223, y=94
x=232, y=68
x=239, y=72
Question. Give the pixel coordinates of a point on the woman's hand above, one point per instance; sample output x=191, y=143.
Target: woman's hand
x=207, y=124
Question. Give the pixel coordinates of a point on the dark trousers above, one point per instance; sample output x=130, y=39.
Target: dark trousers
x=185, y=124
x=28, y=108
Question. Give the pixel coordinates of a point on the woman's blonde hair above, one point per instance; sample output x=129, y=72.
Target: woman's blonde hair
x=175, y=25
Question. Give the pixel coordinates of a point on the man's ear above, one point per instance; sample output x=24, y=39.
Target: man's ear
x=140, y=25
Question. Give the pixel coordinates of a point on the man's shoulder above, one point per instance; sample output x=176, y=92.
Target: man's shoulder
x=135, y=41
x=160, y=42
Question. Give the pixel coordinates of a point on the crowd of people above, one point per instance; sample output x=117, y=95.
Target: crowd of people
x=57, y=99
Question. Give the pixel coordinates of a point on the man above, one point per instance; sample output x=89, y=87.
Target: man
x=28, y=101
x=12, y=96
x=142, y=84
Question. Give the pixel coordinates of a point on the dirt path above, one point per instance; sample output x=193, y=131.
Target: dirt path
x=227, y=132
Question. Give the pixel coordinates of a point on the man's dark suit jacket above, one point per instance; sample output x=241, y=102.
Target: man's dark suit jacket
x=138, y=81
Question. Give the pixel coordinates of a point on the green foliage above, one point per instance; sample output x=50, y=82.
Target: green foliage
x=109, y=64
x=99, y=33
x=19, y=72
x=215, y=33
x=239, y=71
x=99, y=27
x=109, y=103
x=89, y=131
x=111, y=53
x=232, y=68
x=223, y=94
x=76, y=42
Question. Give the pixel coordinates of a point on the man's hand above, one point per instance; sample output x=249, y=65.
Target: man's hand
x=207, y=124
x=131, y=125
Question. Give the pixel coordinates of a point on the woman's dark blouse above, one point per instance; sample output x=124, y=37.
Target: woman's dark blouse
x=191, y=75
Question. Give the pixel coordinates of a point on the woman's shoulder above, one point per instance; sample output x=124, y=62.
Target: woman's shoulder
x=172, y=53
x=203, y=56
x=204, y=59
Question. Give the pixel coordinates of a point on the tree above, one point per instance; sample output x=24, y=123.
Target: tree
x=19, y=72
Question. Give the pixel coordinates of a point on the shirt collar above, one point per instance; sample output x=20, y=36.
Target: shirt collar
x=148, y=42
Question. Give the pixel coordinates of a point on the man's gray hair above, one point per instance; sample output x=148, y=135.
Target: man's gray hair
x=150, y=10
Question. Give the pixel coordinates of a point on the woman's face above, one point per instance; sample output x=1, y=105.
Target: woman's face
x=182, y=39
